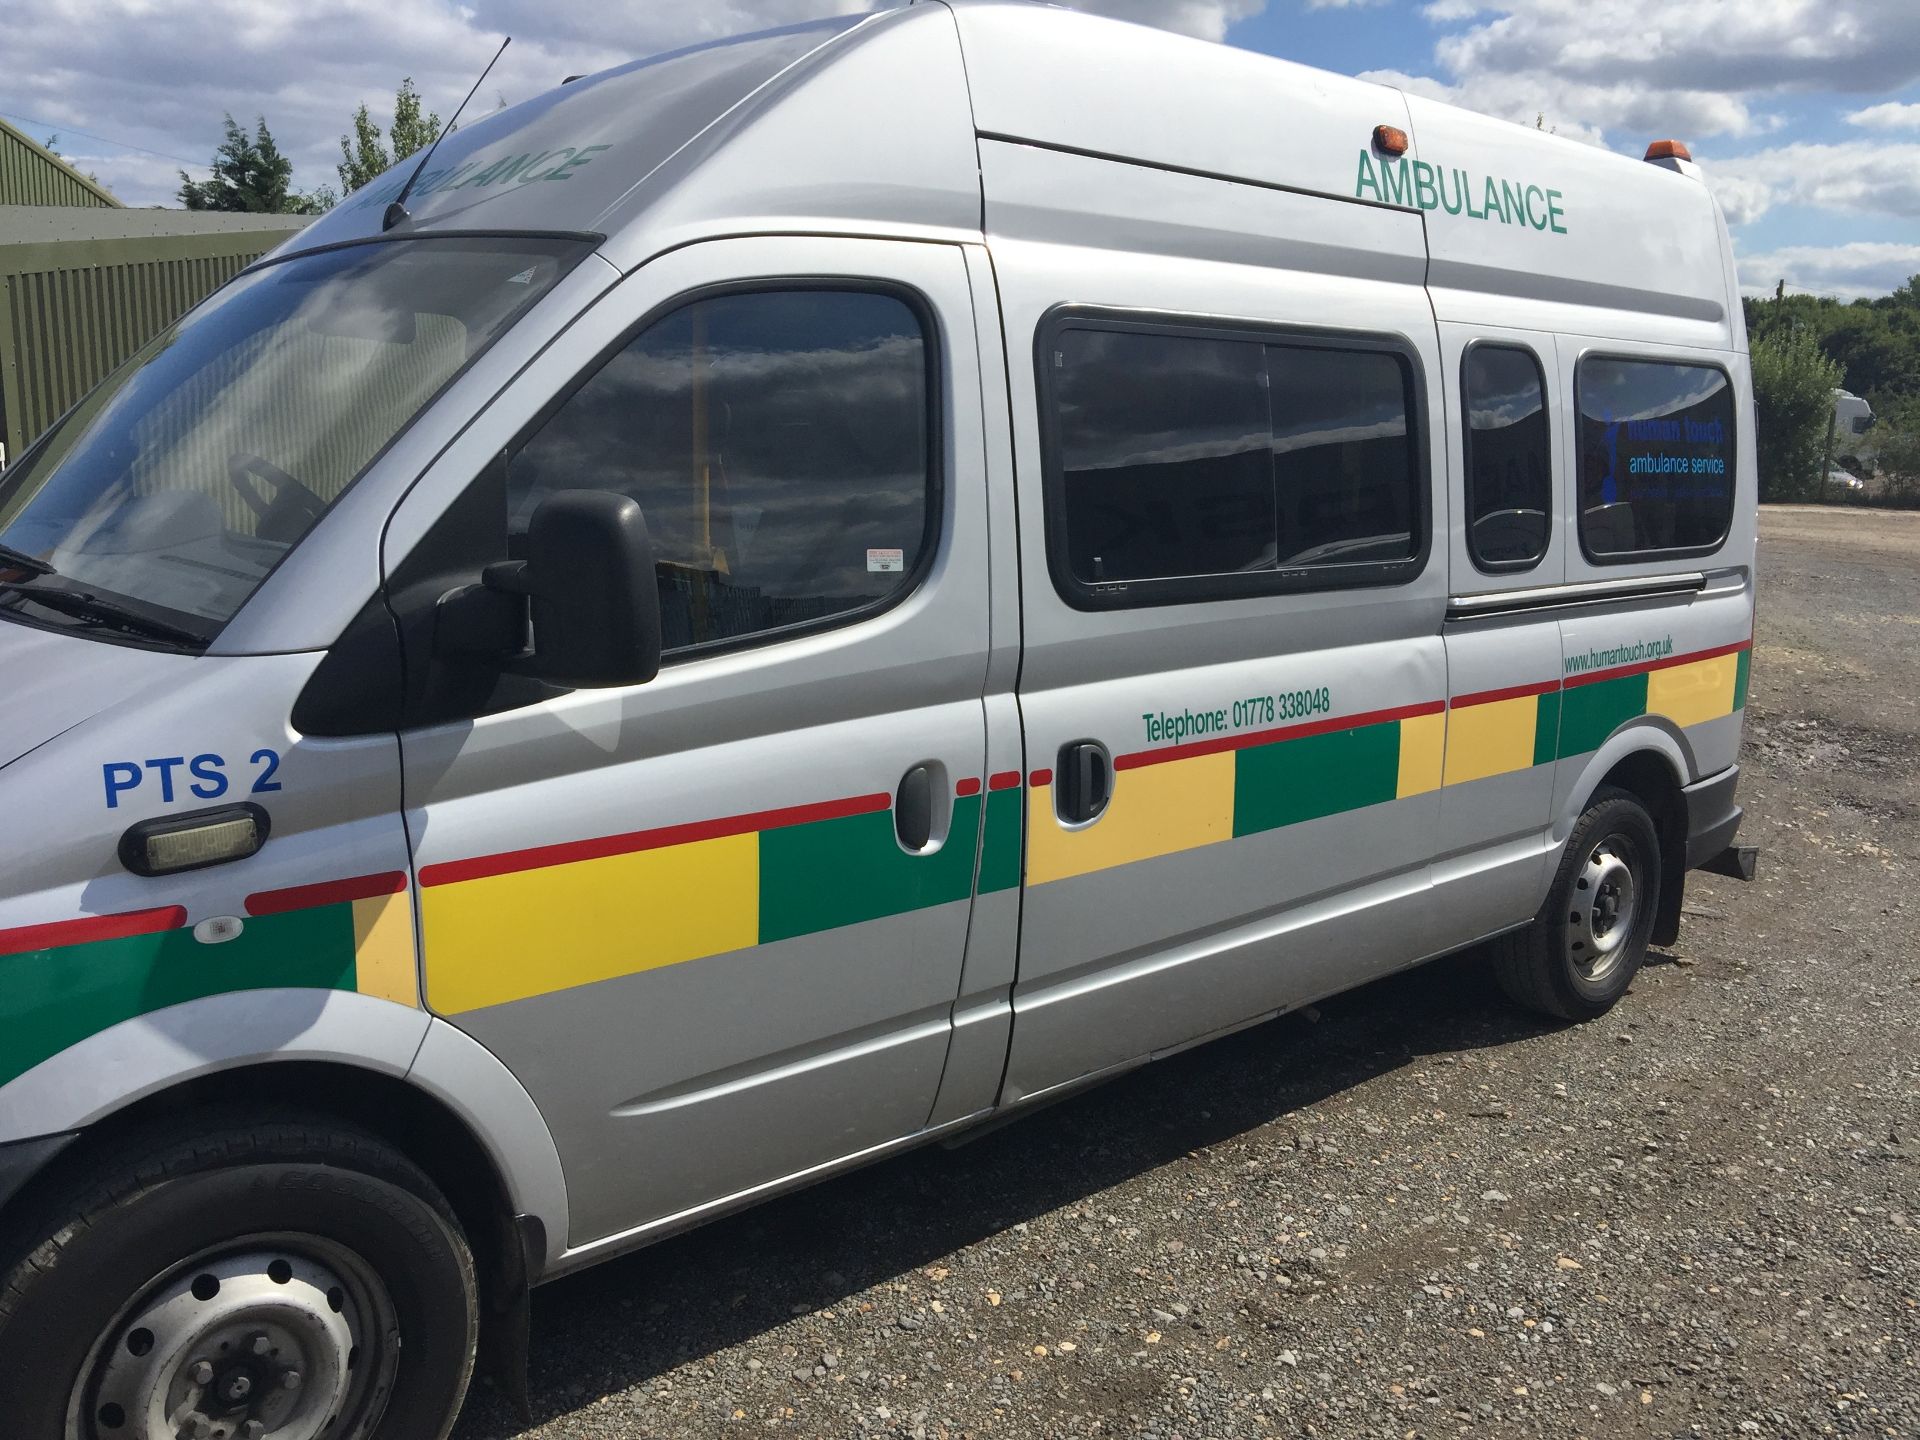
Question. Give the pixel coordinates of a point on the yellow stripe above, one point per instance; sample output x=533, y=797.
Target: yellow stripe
x=383, y=959
x=1423, y=741
x=1155, y=810
x=1689, y=694
x=1491, y=739
x=507, y=937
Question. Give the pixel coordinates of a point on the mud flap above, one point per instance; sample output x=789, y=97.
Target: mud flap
x=505, y=1334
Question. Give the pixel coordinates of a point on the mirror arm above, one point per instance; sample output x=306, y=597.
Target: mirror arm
x=484, y=621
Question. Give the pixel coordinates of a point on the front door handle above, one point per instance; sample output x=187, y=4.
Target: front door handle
x=1083, y=781
x=913, y=808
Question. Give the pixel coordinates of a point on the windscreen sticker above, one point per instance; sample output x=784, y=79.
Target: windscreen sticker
x=886, y=560
x=200, y=777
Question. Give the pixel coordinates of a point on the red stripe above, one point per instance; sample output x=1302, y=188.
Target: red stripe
x=1594, y=677
x=94, y=927
x=969, y=786
x=326, y=892
x=1512, y=692
x=1040, y=777
x=511, y=862
x=1268, y=737
x=1004, y=780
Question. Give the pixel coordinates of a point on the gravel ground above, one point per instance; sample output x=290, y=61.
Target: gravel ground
x=1416, y=1212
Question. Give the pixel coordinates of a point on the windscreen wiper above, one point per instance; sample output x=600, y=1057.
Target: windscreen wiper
x=19, y=560
x=87, y=606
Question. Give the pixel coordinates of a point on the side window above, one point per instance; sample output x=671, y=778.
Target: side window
x=779, y=443
x=1656, y=458
x=1509, y=462
x=1196, y=466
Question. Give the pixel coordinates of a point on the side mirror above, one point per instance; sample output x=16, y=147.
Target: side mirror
x=593, y=600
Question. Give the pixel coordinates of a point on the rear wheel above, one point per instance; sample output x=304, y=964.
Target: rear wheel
x=1582, y=951
x=248, y=1281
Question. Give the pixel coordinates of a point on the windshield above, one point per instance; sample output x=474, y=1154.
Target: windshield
x=170, y=492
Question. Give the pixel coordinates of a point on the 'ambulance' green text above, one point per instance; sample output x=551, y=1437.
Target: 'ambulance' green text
x=1418, y=185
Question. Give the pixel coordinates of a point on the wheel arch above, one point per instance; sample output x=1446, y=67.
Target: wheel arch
x=426, y=1087
x=1652, y=762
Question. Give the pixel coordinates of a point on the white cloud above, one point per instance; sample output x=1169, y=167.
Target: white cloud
x=1207, y=19
x=1891, y=116
x=1870, y=177
x=1589, y=112
x=1641, y=69
x=1341, y=4
x=1846, y=271
x=1737, y=48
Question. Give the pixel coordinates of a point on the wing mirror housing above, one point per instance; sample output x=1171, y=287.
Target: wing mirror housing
x=592, y=602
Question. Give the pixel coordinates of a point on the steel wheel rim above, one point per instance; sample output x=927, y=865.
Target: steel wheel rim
x=268, y=1337
x=1604, y=907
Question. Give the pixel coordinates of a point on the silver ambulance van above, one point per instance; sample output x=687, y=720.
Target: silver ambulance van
x=792, y=597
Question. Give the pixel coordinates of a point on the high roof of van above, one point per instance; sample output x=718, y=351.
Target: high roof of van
x=882, y=124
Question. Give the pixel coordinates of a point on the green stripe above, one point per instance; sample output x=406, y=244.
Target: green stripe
x=1294, y=780
x=56, y=998
x=1546, y=728
x=1740, y=679
x=1590, y=713
x=840, y=872
x=1000, y=857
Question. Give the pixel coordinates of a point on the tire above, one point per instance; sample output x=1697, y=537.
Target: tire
x=215, y=1258
x=1573, y=962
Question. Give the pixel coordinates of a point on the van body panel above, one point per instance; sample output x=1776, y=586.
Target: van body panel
x=867, y=136
x=1597, y=243
x=1240, y=115
x=663, y=947
x=621, y=867
x=1125, y=948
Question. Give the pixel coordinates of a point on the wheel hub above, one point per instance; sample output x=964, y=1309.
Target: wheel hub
x=1600, y=920
x=253, y=1344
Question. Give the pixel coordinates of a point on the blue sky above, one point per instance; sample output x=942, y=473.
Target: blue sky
x=1805, y=114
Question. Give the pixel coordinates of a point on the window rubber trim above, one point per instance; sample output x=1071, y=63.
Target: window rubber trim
x=1241, y=585
x=933, y=526
x=1677, y=552
x=1501, y=567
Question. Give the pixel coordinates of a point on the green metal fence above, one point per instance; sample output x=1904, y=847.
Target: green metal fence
x=71, y=310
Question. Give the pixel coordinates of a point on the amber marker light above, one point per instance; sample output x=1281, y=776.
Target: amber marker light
x=1668, y=150
x=1389, y=139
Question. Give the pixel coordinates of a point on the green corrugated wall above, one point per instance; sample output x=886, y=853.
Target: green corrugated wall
x=70, y=311
x=30, y=175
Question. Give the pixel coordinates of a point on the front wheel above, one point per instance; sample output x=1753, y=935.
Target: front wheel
x=250, y=1281
x=1582, y=951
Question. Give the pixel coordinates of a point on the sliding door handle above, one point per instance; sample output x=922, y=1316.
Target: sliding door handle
x=1083, y=781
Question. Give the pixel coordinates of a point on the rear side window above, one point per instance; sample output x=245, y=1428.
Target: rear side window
x=1656, y=458
x=1187, y=465
x=1509, y=464
x=779, y=444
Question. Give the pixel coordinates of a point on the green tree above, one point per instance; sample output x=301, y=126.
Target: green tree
x=251, y=174
x=1897, y=450
x=412, y=132
x=363, y=154
x=1793, y=384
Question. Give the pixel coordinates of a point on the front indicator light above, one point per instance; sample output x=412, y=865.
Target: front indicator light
x=191, y=842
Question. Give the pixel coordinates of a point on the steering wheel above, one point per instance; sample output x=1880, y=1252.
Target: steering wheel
x=283, y=516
